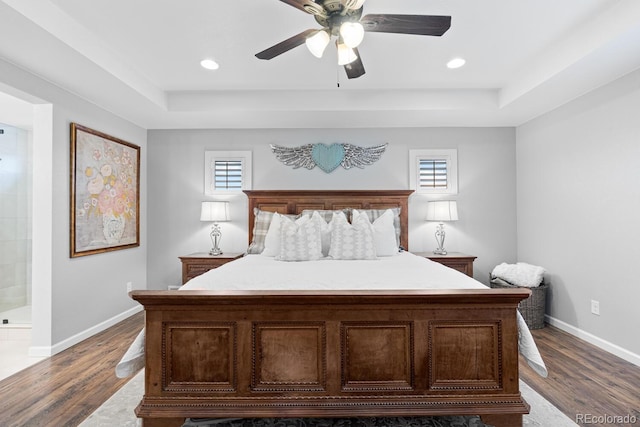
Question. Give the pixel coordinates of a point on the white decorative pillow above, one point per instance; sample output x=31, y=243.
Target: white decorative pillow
x=384, y=233
x=352, y=241
x=327, y=216
x=272, y=239
x=326, y=231
x=261, y=226
x=374, y=214
x=301, y=240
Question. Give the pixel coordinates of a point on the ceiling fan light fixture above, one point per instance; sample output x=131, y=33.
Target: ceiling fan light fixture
x=317, y=43
x=352, y=33
x=354, y=4
x=346, y=55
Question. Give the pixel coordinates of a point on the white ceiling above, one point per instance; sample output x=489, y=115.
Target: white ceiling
x=140, y=60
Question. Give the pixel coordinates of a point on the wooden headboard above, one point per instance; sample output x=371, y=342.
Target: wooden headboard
x=295, y=201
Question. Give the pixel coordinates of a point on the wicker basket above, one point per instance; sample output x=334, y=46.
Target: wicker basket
x=532, y=308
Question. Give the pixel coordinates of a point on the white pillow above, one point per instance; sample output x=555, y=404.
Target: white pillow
x=327, y=228
x=272, y=239
x=352, y=241
x=374, y=214
x=384, y=233
x=301, y=240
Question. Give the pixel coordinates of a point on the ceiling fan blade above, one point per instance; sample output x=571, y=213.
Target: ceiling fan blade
x=354, y=69
x=308, y=6
x=285, y=46
x=426, y=25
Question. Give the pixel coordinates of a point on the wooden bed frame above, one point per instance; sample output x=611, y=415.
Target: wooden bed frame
x=334, y=353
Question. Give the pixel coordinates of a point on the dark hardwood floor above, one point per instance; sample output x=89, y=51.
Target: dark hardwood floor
x=66, y=388
x=585, y=382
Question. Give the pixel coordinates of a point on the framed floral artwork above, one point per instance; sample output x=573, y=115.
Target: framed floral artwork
x=105, y=192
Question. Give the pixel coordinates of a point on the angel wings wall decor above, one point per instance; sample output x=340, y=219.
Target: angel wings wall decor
x=328, y=157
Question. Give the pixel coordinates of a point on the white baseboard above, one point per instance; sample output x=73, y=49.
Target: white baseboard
x=44, y=351
x=592, y=339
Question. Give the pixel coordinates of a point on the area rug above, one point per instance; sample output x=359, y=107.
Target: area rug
x=118, y=411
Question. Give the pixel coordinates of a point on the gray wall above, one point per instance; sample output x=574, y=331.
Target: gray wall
x=486, y=180
x=578, y=209
x=99, y=281
x=72, y=297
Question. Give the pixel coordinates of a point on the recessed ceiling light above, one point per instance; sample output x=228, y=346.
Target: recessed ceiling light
x=209, y=64
x=456, y=63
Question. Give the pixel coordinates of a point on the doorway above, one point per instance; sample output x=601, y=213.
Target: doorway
x=16, y=189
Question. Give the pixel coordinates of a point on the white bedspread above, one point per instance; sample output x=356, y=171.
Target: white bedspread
x=405, y=271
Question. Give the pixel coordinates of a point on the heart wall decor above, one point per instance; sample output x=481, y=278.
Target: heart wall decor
x=328, y=157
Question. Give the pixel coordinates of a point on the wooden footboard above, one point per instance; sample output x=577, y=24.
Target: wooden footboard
x=331, y=354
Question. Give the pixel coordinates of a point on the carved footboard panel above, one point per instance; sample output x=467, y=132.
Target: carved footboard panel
x=333, y=354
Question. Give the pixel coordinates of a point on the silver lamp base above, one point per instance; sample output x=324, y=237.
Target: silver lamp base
x=440, y=235
x=216, y=236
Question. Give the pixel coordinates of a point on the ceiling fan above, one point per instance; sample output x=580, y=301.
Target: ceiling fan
x=343, y=19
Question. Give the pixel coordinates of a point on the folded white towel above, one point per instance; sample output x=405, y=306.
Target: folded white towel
x=520, y=274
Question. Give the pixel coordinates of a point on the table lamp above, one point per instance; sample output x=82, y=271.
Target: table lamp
x=441, y=211
x=215, y=212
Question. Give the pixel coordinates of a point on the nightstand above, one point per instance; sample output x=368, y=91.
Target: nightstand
x=195, y=264
x=456, y=260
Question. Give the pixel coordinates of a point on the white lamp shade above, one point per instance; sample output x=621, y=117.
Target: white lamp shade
x=352, y=33
x=346, y=55
x=442, y=210
x=317, y=43
x=214, y=211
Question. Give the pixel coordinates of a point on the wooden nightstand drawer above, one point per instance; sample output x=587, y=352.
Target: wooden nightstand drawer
x=195, y=264
x=455, y=260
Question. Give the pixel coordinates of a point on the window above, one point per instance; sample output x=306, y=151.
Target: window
x=227, y=174
x=227, y=171
x=434, y=171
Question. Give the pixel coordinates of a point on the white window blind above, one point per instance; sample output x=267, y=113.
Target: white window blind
x=227, y=171
x=227, y=175
x=433, y=173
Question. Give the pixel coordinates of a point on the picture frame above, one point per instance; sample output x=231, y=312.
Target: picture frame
x=105, y=193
